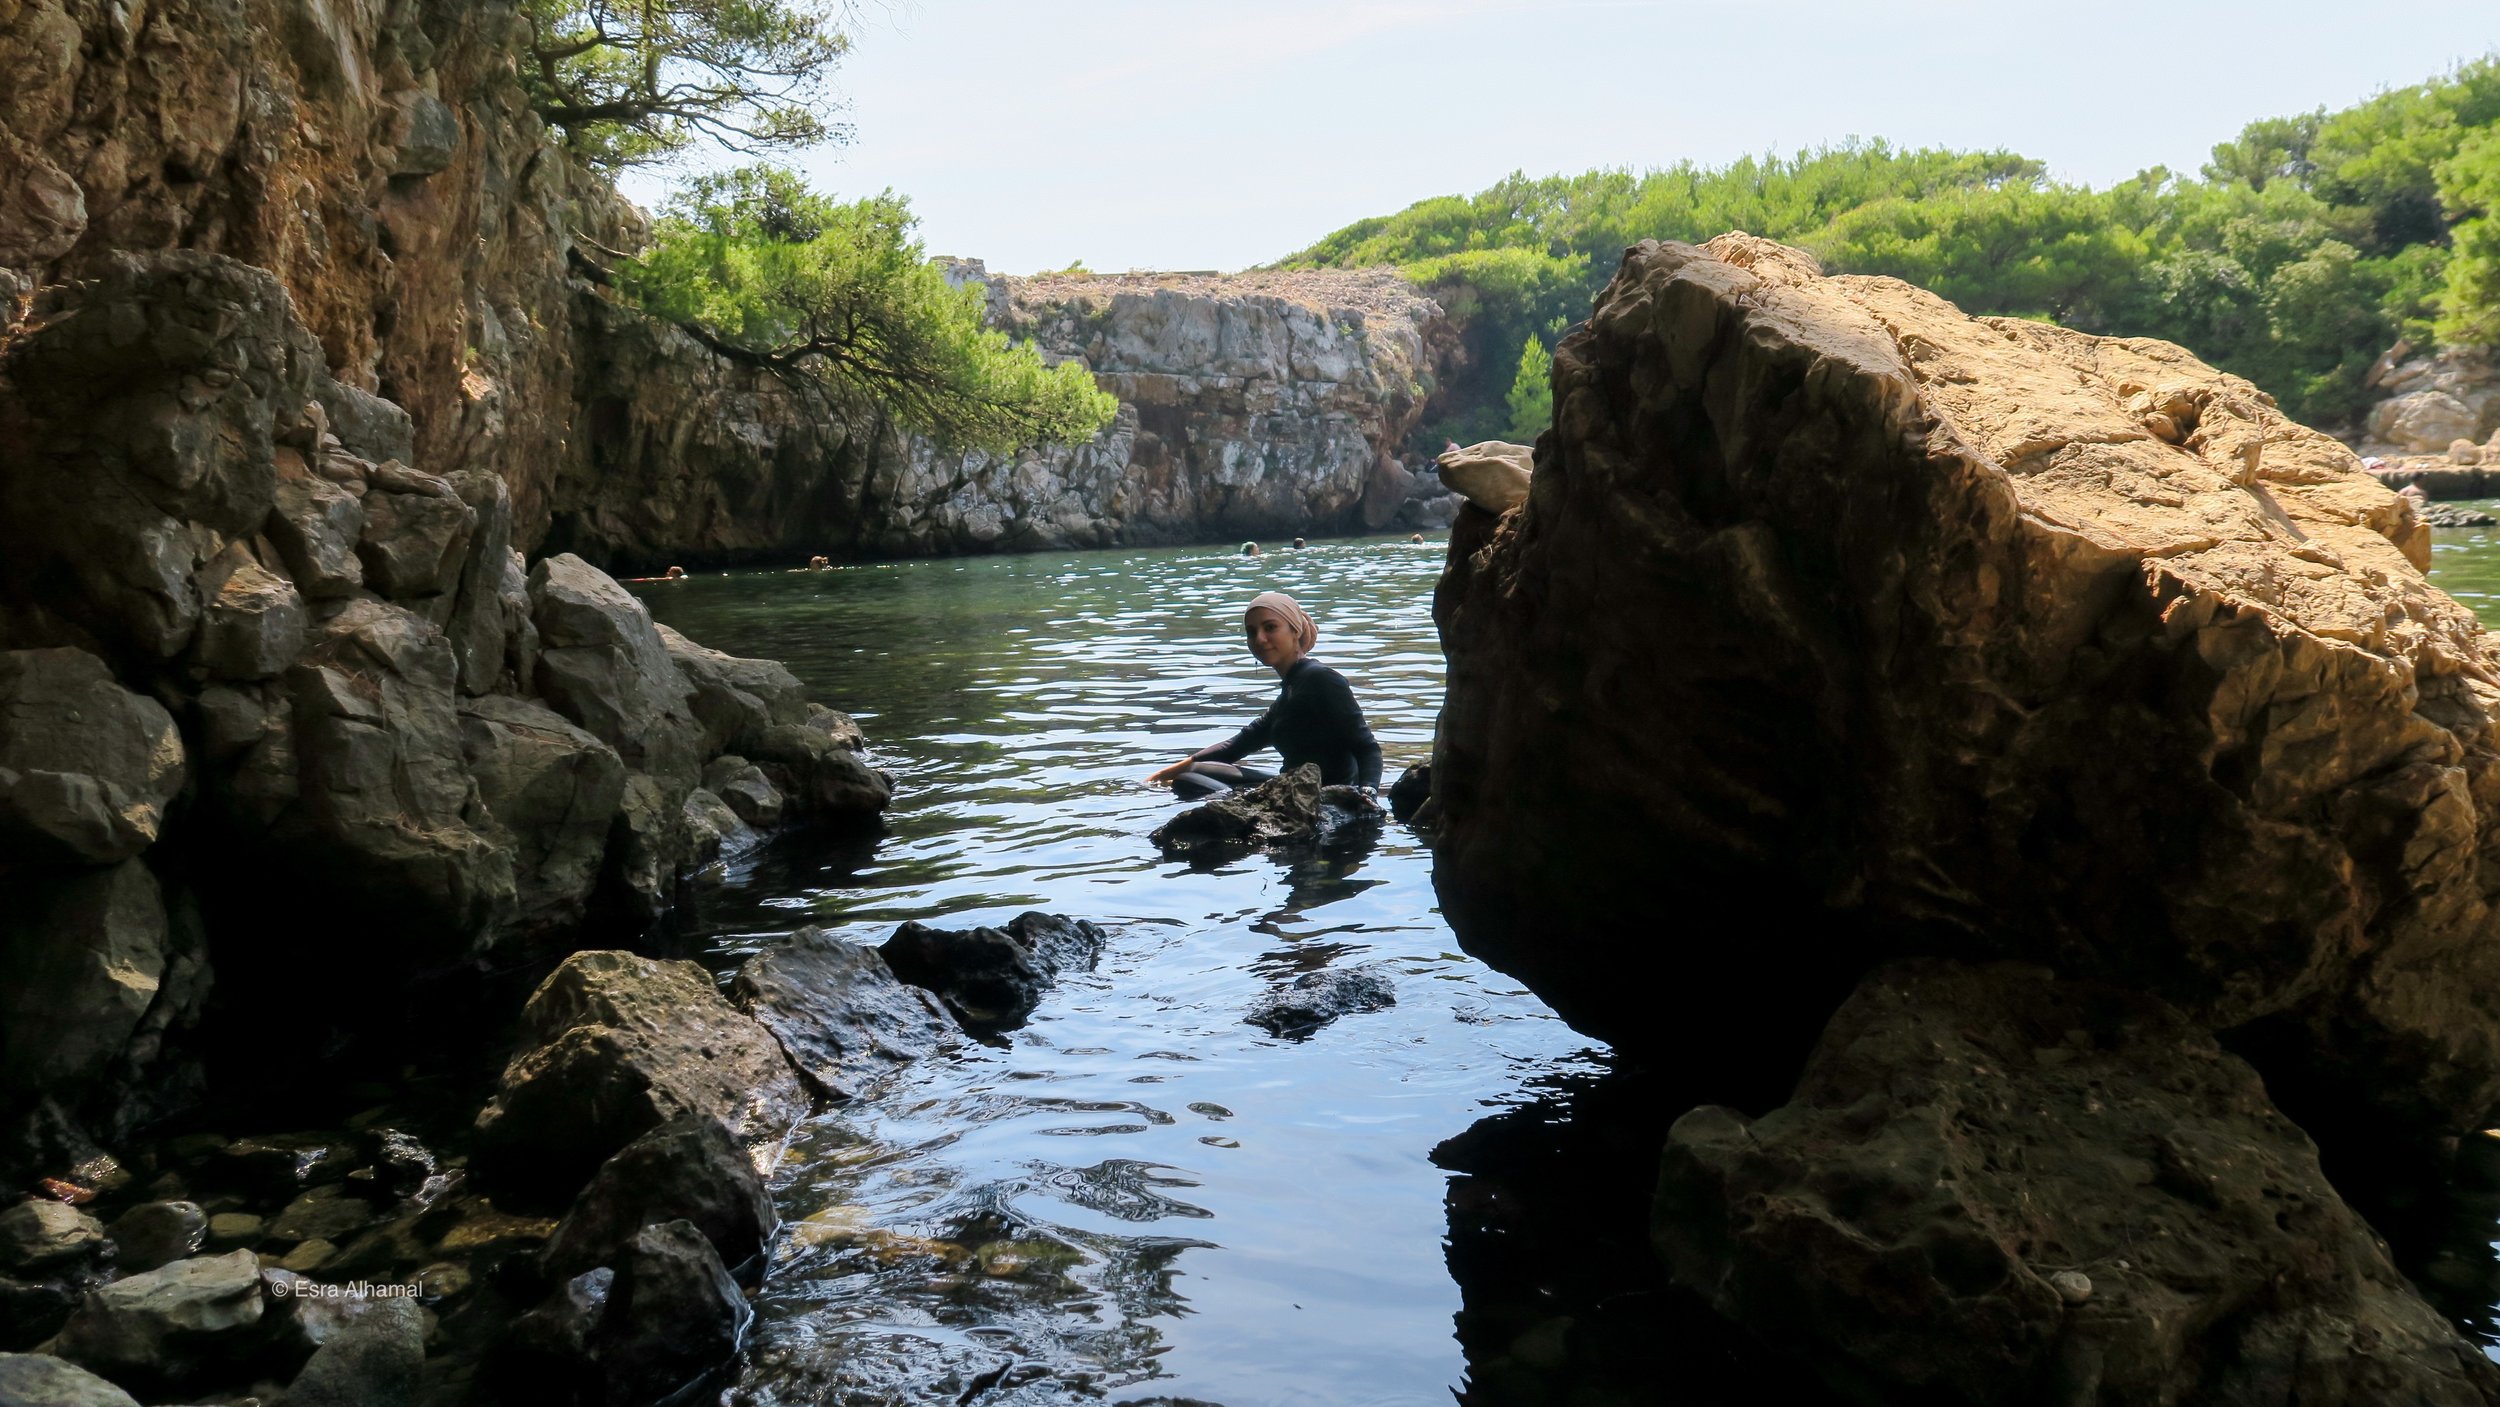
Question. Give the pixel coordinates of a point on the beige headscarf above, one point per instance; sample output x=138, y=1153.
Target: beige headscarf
x=1285, y=608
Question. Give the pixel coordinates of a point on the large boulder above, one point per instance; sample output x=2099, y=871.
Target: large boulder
x=1892, y=629
x=170, y=1326
x=416, y=535
x=491, y=616
x=555, y=789
x=840, y=1013
x=1993, y=1186
x=38, y=1380
x=251, y=618
x=377, y=1359
x=602, y=665
x=149, y=401
x=614, y=1045
x=87, y=955
x=388, y=821
x=86, y=766
x=688, y=1169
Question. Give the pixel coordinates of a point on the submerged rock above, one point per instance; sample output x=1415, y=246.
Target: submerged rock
x=1993, y=1186
x=1893, y=629
x=990, y=978
x=376, y=1359
x=840, y=1013
x=42, y=1235
x=615, y=1045
x=1314, y=999
x=157, y=1233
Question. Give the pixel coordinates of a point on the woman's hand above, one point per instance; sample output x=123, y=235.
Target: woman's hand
x=1162, y=777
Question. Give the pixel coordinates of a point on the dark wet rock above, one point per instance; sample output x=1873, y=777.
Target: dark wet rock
x=86, y=766
x=416, y=534
x=601, y=664
x=1410, y=791
x=369, y=426
x=251, y=618
x=375, y=1360
x=735, y=699
x=664, y=1316
x=689, y=1170
x=148, y=400
x=490, y=623
x=1314, y=999
x=281, y=1166
x=713, y=831
x=745, y=788
x=401, y=1161
x=315, y=525
x=2450, y=516
x=614, y=1045
x=648, y=844
x=39, y=1380
x=555, y=790
x=157, y=1233
x=386, y=828
x=673, y=1316
x=43, y=1235
x=1277, y=811
x=992, y=978
x=838, y=1010
x=322, y=1214
x=1993, y=1186
x=166, y=1327
x=87, y=955
x=32, y=1311
x=820, y=776
x=1895, y=630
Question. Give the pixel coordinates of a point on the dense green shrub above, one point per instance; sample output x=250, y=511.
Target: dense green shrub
x=2305, y=247
x=838, y=298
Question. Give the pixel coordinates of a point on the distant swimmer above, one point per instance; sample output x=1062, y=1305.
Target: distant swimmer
x=1417, y=539
x=1249, y=549
x=676, y=574
x=1299, y=542
x=819, y=563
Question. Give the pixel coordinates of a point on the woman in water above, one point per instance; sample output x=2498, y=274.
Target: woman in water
x=1314, y=718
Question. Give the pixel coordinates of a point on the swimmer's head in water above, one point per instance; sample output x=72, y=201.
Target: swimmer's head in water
x=1249, y=549
x=676, y=573
x=1297, y=542
x=1278, y=630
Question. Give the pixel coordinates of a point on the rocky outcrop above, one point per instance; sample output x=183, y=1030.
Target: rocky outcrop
x=993, y=978
x=2432, y=401
x=1892, y=631
x=1994, y=1186
x=1251, y=405
x=1898, y=630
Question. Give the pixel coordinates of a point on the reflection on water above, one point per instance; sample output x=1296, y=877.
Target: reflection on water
x=1138, y=1196
x=2465, y=563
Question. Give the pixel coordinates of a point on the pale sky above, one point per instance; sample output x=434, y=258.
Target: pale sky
x=1193, y=134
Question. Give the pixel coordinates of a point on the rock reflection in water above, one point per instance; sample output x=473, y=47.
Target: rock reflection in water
x=1563, y=1304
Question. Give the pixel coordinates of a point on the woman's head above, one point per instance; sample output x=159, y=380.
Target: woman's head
x=1278, y=630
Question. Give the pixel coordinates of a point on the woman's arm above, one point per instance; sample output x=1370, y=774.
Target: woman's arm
x=1232, y=749
x=1344, y=718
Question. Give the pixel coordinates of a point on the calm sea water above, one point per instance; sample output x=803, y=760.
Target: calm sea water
x=1137, y=1195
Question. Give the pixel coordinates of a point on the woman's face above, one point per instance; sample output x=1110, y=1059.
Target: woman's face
x=1272, y=642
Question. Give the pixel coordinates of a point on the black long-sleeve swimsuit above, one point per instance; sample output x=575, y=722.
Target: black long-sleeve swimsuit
x=1314, y=719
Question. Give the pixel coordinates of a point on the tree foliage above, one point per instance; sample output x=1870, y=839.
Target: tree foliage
x=634, y=81
x=839, y=298
x=1531, y=399
x=2308, y=244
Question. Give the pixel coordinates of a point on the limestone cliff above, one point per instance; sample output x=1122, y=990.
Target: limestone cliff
x=1253, y=405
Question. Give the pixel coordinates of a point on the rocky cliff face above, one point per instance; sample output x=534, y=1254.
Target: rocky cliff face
x=1838, y=625
x=2432, y=402
x=285, y=376
x=1256, y=405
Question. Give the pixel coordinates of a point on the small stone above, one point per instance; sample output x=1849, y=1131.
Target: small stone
x=229, y=1229
x=308, y=1257
x=2072, y=1286
x=323, y=1214
x=157, y=1233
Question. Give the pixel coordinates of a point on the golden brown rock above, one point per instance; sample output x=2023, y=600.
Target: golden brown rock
x=1838, y=625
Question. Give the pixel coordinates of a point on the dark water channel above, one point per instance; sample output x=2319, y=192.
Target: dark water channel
x=1138, y=1196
